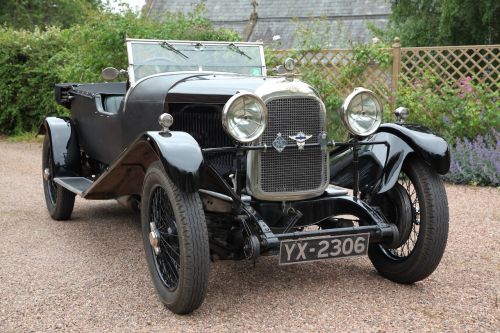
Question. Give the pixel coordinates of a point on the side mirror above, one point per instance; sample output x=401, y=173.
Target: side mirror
x=111, y=73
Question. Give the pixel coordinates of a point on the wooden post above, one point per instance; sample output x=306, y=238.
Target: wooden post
x=396, y=69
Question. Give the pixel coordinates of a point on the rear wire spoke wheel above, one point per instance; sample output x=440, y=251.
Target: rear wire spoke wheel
x=421, y=250
x=59, y=201
x=175, y=241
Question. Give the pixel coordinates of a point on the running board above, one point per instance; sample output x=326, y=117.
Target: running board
x=77, y=185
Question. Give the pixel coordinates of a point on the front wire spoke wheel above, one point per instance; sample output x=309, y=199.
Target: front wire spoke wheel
x=167, y=256
x=408, y=246
x=175, y=241
x=425, y=225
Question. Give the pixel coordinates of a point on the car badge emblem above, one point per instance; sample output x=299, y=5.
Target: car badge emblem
x=300, y=138
x=279, y=143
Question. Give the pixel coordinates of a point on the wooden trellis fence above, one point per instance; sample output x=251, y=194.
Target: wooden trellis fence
x=448, y=64
x=452, y=64
x=332, y=63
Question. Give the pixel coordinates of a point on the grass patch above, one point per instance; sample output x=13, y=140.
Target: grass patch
x=24, y=137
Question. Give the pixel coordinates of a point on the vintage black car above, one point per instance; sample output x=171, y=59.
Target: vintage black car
x=224, y=162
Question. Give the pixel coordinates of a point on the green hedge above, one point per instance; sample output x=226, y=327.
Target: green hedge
x=32, y=62
x=28, y=71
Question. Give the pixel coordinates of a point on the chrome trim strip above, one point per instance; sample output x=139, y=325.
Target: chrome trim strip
x=263, y=61
x=216, y=195
x=130, y=69
x=138, y=40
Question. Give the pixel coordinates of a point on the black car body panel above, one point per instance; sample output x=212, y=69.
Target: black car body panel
x=64, y=144
x=380, y=165
x=433, y=149
x=179, y=153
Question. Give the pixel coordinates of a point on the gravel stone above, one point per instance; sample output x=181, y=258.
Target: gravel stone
x=89, y=274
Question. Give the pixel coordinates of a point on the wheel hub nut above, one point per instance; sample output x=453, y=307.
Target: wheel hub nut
x=46, y=174
x=154, y=238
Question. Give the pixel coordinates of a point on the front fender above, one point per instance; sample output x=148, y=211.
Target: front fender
x=379, y=166
x=431, y=148
x=178, y=152
x=181, y=157
x=64, y=144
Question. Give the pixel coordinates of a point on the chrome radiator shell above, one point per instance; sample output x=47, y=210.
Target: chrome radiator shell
x=271, y=175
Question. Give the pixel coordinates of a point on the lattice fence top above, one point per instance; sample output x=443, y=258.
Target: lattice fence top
x=332, y=63
x=449, y=65
x=452, y=64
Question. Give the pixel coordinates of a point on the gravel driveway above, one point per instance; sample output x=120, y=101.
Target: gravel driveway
x=90, y=274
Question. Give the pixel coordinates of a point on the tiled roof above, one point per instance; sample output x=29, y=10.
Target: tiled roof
x=346, y=19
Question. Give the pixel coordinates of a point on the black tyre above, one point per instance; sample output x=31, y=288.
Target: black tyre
x=423, y=248
x=175, y=240
x=60, y=201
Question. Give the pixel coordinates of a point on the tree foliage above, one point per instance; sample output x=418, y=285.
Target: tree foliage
x=32, y=62
x=29, y=14
x=445, y=22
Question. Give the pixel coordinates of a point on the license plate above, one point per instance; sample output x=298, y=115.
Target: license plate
x=319, y=248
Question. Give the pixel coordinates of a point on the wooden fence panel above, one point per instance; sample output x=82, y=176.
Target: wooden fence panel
x=452, y=64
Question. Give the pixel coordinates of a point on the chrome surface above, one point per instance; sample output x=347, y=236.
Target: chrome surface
x=46, y=174
x=229, y=108
x=345, y=108
x=289, y=64
x=301, y=138
x=323, y=139
x=165, y=120
x=279, y=143
x=293, y=107
x=216, y=195
x=110, y=73
x=402, y=113
x=154, y=238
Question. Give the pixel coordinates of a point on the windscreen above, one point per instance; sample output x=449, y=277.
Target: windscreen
x=152, y=57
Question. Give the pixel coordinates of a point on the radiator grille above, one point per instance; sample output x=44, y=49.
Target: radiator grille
x=293, y=170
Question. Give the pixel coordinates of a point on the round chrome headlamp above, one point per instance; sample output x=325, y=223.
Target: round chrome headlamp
x=244, y=116
x=362, y=112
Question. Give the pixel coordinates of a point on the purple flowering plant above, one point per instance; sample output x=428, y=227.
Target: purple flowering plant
x=476, y=161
